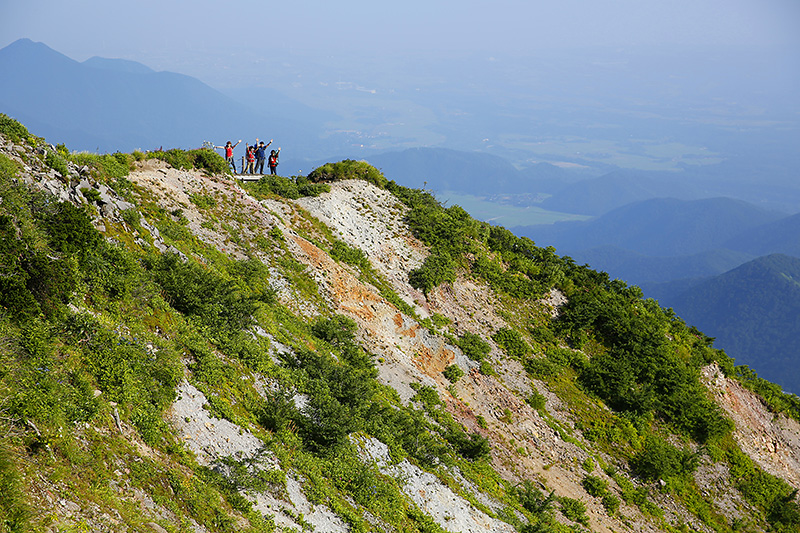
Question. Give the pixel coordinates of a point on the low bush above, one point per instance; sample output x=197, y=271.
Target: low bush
x=201, y=159
x=453, y=373
x=13, y=130
x=285, y=187
x=348, y=169
x=574, y=510
x=436, y=269
x=350, y=255
x=54, y=160
x=511, y=342
x=473, y=346
x=661, y=460
x=204, y=294
x=595, y=486
x=105, y=167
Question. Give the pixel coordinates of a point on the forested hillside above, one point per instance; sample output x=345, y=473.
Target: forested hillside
x=338, y=352
x=754, y=311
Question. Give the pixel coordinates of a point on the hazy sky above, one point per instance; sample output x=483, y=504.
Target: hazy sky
x=163, y=28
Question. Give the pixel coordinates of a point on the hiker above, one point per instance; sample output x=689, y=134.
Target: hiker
x=273, y=161
x=251, y=160
x=229, y=153
x=261, y=155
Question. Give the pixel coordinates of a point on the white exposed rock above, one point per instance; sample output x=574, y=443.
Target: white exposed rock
x=209, y=438
x=428, y=493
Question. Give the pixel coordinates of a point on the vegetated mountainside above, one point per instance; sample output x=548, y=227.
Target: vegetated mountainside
x=753, y=311
x=340, y=353
x=658, y=227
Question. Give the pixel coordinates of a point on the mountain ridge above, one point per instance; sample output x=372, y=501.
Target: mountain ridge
x=247, y=355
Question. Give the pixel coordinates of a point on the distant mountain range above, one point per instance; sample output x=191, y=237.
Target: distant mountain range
x=657, y=227
x=104, y=105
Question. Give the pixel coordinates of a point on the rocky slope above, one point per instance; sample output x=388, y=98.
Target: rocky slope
x=544, y=446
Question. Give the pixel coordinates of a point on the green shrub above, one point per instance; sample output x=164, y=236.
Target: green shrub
x=350, y=255
x=56, y=162
x=453, y=373
x=776, y=400
x=473, y=346
x=91, y=194
x=511, y=342
x=533, y=500
x=595, y=486
x=70, y=229
x=307, y=188
x=661, y=460
x=13, y=130
x=204, y=294
x=472, y=446
x=348, y=169
x=610, y=503
x=201, y=159
x=435, y=270
x=574, y=510
x=536, y=400
x=106, y=167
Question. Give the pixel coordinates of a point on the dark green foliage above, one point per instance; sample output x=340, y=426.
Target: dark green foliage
x=641, y=372
x=784, y=513
x=661, y=460
x=470, y=446
x=339, y=397
x=348, y=169
x=339, y=331
x=574, y=510
x=767, y=492
x=435, y=270
x=70, y=229
x=595, y=486
x=203, y=293
x=539, y=506
x=307, y=188
x=36, y=280
x=473, y=346
x=448, y=231
x=511, y=342
x=536, y=400
x=453, y=373
x=610, y=503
